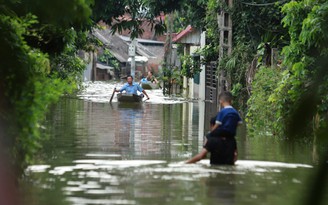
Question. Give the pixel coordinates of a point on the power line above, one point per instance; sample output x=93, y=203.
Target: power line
x=266, y=4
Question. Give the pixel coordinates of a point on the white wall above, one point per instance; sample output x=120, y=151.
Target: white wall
x=88, y=69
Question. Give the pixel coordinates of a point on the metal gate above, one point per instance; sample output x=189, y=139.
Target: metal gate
x=211, y=103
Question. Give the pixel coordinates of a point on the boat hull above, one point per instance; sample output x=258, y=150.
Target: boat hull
x=124, y=97
x=149, y=86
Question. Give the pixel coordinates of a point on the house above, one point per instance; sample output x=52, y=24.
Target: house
x=190, y=38
x=153, y=50
x=149, y=55
x=104, y=72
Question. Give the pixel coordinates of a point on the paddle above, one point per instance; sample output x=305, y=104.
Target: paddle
x=111, y=98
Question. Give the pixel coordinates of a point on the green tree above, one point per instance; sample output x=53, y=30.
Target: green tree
x=302, y=90
x=261, y=114
x=109, y=59
x=250, y=29
x=38, y=66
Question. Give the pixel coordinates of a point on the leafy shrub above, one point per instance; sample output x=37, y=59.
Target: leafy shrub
x=261, y=116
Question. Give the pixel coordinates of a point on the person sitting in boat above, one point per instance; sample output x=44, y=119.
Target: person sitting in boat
x=151, y=78
x=132, y=88
x=144, y=80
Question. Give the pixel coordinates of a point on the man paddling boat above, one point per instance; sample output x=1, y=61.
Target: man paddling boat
x=132, y=88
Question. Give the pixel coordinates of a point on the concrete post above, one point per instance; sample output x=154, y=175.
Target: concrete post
x=132, y=54
x=203, y=72
x=185, y=79
x=94, y=66
x=202, y=84
x=225, y=30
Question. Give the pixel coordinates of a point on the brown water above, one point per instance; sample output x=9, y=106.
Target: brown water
x=99, y=153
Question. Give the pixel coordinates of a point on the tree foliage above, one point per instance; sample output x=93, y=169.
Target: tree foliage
x=190, y=66
x=261, y=114
x=137, y=11
x=253, y=25
x=304, y=83
x=299, y=97
x=39, y=63
x=191, y=13
x=109, y=59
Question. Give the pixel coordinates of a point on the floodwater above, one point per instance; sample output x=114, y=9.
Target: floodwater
x=101, y=153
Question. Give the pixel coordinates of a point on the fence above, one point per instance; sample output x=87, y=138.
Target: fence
x=211, y=90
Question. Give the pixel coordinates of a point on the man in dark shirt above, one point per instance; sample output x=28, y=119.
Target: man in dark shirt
x=221, y=142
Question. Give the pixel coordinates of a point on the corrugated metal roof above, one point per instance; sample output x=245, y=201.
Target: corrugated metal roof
x=118, y=46
x=101, y=66
x=140, y=40
x=183, y=33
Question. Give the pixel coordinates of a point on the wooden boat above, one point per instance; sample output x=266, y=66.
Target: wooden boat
x=124, y=97
x=149, y=85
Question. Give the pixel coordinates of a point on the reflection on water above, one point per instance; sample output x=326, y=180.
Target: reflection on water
x=121, y=154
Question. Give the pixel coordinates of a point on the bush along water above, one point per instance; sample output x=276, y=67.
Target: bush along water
x=33, y=76
x=261, y=116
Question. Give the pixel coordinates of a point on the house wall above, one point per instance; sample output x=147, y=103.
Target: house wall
x=103, y=75
x=140, y=71
x=87, y=72
x=195, y=91
x=192, y=38
x=153, y=64
x=88, y=58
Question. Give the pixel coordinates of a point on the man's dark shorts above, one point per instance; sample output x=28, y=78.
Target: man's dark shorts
x=222, y=150
x=220, y=132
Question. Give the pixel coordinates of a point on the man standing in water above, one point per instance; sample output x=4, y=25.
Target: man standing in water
x=221, y=142
x=131, y=87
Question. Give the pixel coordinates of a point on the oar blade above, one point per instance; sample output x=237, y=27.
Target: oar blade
x=111, y=98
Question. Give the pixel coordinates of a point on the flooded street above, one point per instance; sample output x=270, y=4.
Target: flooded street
x=101, y=153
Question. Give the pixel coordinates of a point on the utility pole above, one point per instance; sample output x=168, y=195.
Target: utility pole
x=168, y=55
x=132, y=54
x=94, y=66
x=225, y=29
